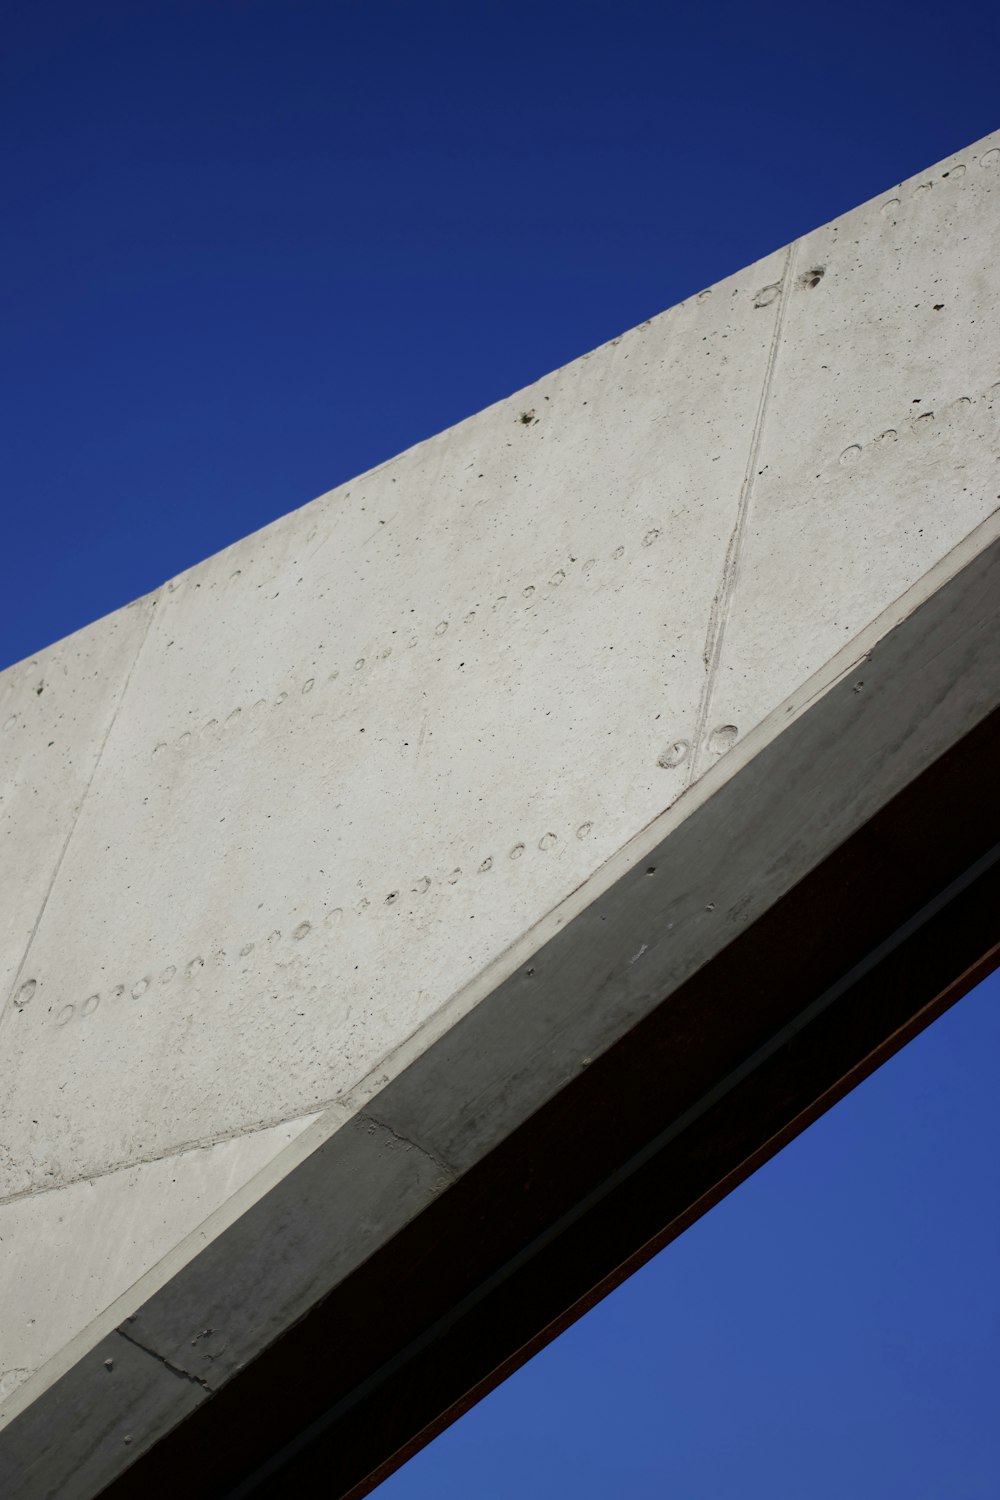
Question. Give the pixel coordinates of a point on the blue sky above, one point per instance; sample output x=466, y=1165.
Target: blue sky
x=250, y=250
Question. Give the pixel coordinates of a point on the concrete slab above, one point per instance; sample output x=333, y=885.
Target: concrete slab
x=394, y=1235
x=140, y=1395
x=416, y=809
x=67, y=1254
x=55, y=713
x=289, y=824
x=878, y=450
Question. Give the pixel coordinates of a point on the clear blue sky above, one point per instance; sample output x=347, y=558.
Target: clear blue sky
x=251, y=249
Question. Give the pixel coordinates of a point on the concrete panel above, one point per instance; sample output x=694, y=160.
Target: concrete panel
x=816, y=775
x=55, y=712
x=370, y=828
x=658, y=912
x=880, y=447
x=364, y=1187
x=119, y=1395
x=66, y=1254
x=309, y=781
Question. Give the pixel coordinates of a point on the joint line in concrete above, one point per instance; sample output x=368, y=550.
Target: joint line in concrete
x=442, y=1166
x=174, y=1369
x=113, y=719
x=182, y=1148
x=722, y=602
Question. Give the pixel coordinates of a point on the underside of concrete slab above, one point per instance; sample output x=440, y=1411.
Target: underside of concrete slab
x=607, y=787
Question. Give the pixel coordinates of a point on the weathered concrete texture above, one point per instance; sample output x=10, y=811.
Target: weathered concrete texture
x=55, y=713
x=850, y=741
x=671, y=904
x=345, y=1200
x=66, y=1254
x=274, y=832
x=140, y=1395
x=365, y=1186
x=361, y=762
x=878, y=448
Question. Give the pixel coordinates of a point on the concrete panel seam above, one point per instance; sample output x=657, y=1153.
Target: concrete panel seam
x=719, y=613
x=174, y=1369
x=449, y=1171
x=184, y=1148
x=112, y=719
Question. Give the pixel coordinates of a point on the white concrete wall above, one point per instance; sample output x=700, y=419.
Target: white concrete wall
x=268, y=833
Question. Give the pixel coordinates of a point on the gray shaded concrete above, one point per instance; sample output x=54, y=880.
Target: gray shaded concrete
x=489, y=682
x=66, y=1254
